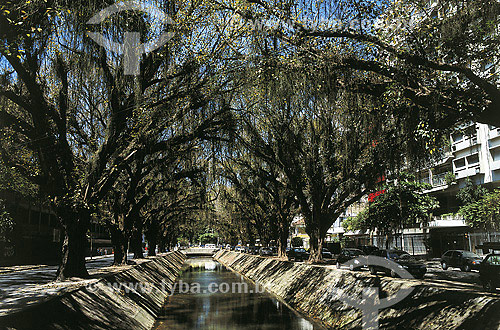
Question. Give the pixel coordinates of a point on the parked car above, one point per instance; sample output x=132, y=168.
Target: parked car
x=368, y=249
x=210, y=246
x=465, y=260
x=326, y=254
x=239, y=248
x=416, y=268
x=348, y=254
x=297, y=254
x=253, y=250
x=489, y=272
x=267, y=251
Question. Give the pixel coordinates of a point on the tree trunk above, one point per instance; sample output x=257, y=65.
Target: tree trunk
x=151, y=232
x=283, y=232
x=136, y=244
x=162, y=246
x=316, y=245
x=119, y=243
x=74, y=246
x=152, y=242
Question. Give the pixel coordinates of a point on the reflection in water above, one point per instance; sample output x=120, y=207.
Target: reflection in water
x=221, y=311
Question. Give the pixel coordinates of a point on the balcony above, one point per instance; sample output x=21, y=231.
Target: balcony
x=495, y=165
x=450, y=220
x=439, y=180
x=464, y=144
x=494, y=133
x=467, y=172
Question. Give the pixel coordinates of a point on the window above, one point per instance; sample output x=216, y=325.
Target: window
x=473, y=160
x=495, y=154
x=459, y=163
x=44, y=220
x=23, y=215
x=493, y=260
x=457, y=137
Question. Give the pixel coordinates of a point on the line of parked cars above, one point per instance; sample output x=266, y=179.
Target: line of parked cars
x=403, y=259
x=268, y=251
x=489, y=267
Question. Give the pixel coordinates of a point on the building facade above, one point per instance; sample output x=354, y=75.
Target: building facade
x=473, y=153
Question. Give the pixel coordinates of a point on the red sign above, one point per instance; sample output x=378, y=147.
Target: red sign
x=372, y=196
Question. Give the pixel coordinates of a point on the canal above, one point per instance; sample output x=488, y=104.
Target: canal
x=209, y=296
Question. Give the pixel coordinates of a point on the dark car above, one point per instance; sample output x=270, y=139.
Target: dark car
x=348, y=254
x=489, y=272
x=253, y=250
x=368, y=249
x=465, y=260
x=326, y=254
x=416, y=268
x=267, y=251
x=297, y=254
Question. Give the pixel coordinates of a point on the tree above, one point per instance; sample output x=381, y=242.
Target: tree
x=261, y=190
x=83, y=120
x=437, y=56
x=6, y=222
x=471, y=192
x=401, y=205
x=481, y=208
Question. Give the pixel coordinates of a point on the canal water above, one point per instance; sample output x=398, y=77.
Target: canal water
x=209, y=296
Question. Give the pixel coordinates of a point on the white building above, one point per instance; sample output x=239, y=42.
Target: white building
x=474, y=153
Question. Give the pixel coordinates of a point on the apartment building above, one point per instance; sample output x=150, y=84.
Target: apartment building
x=473, y=153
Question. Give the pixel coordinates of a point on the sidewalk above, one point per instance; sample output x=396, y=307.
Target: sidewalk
x=10, y=269
x=20, y=288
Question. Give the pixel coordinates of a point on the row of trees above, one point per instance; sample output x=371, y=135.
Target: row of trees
x=263, y=120
x=129, y=150
x=336, y=103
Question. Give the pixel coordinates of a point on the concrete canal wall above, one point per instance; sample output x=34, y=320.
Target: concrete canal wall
x=131, y=299
x=312, y=290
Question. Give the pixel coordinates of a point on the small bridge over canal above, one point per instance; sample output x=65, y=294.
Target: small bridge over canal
x=197, y=251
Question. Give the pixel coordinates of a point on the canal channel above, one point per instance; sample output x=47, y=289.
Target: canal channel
x=209, y=296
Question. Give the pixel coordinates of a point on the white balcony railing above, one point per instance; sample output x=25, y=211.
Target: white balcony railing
x=451, y=220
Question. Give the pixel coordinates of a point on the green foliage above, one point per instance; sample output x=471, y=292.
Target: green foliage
x=208, y=238
x=471, y=192
x=450, y=178
x=6, y=222
x=484, y=213
x=402, y=205
x=183, y=241
x=297, y=242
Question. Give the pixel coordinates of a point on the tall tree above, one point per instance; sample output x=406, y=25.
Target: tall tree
x=438, y=55
x=82, y=118
x=402, y=205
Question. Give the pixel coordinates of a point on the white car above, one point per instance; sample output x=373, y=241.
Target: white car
x=210, y=246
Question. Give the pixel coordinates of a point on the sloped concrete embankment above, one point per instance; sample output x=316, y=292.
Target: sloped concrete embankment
x=131, y=299
x=315, y=292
